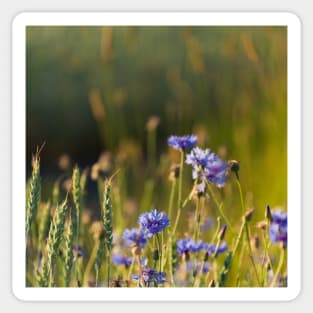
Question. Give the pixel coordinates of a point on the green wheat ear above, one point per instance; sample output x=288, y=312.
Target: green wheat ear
x=54, y=239
x=44, y=222
x=107, y=215
x=68, y=252
x=33, y=196
x=77, y=198
x=107, y=225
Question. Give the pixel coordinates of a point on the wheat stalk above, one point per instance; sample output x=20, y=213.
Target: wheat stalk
x=68, y=252
x=33, y=195
x=54, y=239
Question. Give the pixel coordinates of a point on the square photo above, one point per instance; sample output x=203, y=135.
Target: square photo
x=156, y=157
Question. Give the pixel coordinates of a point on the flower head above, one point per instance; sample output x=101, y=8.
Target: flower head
x=153, y=222
x=211, y=247
x=150, y=275
x=196, y=267
x=135, y=236
x=207, y=165
x=118, y=259
x=278, y=227
x=183, y=142
x=187, y=245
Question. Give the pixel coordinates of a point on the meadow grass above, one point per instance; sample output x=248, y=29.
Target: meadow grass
x=68, y=248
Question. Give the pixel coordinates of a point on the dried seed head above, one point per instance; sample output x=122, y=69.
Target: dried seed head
x=64, y=162
x=249, y=214
x=268, y=214
x=234, y=167
x=95, y=171
x=136, y=251
x=255, y=242
x=174, y=172
x=155, y=255
x=97, y=230
x=152, y=123
x=222, y=232
x=262, y=225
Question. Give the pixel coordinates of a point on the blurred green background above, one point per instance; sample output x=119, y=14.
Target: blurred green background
x=93, y=89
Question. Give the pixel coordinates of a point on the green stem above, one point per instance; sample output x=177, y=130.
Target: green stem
x=170, y=205
x=196, y=222
x=180, y=186
x=108, y=267
x=160, y=252
x=178, y=212
x=266, y=256
x=170, y=256
x=130, y=269
x=280, y=264
x=220, y=208
x=247, y=232
x=89, y=265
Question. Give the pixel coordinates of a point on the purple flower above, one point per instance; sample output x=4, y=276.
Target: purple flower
x=211, y=247
x=187, y=245
x=207, y=224
x=183, y=142
x=153, y=222
x=196, y=268
x=149, y=275
x=206, y=165
x=279, y=217
x=118, y=259
x=135, y=236
x=278, y=227
x=198, y=158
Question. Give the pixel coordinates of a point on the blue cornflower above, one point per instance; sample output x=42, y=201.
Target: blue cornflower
x=279, y=217
x=207, y=165
x=211, y=247
x=153, y=222
x=187, y=245
x=198, y=158
x=278, y=227
x=135, y=236
x=118, y=259
x=150, y=275
x=195, y=268
x=183, y=142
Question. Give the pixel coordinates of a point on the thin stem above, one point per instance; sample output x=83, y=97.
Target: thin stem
x=196, y=222
x=180, y=186
x=220, y=207
x=266, y=256
x=247, y=232
x=178, y=212
x=130, y=269
x=280, y=264
x=108, y=267
x=180, y=178
x=89, y=265
x=160, y=252
x=170, y=256
x=239, y=237
x=170, y=205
